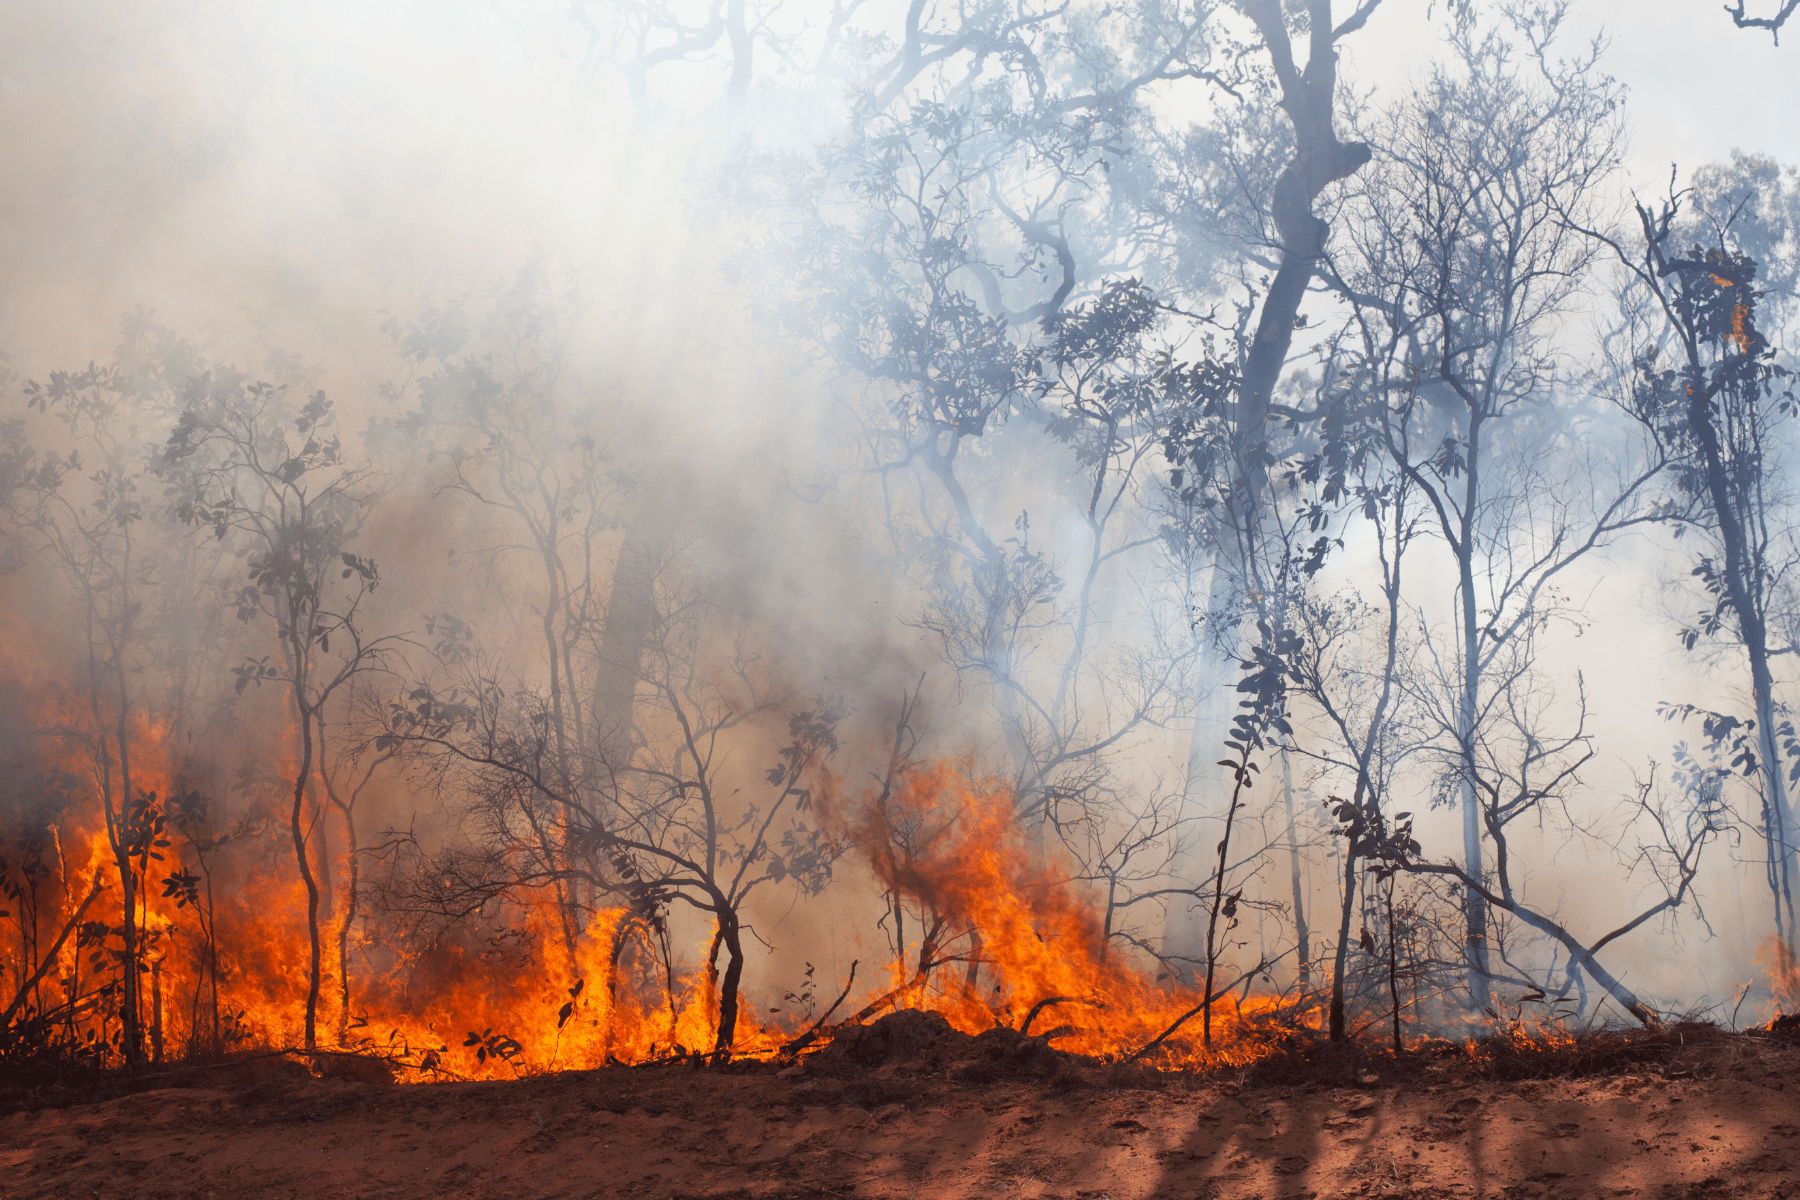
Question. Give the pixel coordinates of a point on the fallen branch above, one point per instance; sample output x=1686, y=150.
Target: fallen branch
x=880, y=1002
x=1046, y=1002
x=1195, y=1011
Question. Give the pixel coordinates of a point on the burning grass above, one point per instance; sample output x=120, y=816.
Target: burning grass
x=1011, y=974
x=191, y=922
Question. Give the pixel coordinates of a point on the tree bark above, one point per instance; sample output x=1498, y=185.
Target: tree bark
x=1320, y=159
x=1341, y=959
x=1302, y=935
x=303, y=860
x=1307, y=96
x=728, y=984
x=1475, y=917
x=1752, y=628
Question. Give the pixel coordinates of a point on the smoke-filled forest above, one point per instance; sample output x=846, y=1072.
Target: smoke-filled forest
x=1156, y=536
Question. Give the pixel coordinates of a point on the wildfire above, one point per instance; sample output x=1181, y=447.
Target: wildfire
x=1010, y=940
x=218, y=934
x=1782, y=974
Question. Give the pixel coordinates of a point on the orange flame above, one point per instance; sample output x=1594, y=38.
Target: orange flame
x=1015, y=939
x=1013, y=933
x=1782, y=974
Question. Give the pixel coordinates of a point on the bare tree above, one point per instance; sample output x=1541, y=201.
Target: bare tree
x=667, y=826
x=251, y=464
x=1464, y=257
x=1719, y=389
x=87, y=511
x=494, y=420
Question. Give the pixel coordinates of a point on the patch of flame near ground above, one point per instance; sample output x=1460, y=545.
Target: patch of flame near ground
x=949, y=841
x=1782, y=974
x=942, y=838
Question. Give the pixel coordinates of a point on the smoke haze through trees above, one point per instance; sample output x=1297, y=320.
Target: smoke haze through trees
x=564, y=535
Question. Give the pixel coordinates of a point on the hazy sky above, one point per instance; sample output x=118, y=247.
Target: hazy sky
x=322, y=158
x=1698, y=85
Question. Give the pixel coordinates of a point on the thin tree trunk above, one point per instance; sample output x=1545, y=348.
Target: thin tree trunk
x=1340, y=961
x=1218, y=901
x=899, y=937
x=121, y=638
x=212, y=961
x=1204, y=791
x=351, y=904
x=1740, y=592
x=1475, y=917
x=303, y=860
x=728, y=985
x=1779, y=827
x=1394, y=963
x=119, y=834
x=156, y=1006
x=1302, y=935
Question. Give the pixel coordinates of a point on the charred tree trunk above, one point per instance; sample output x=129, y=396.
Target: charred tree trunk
x=712, y=968
x=1393, y=963
x=303, y=860
x=1341, y=960
x=728, y=935
x=621, y=938
x=352, y=899
x=1302, y=934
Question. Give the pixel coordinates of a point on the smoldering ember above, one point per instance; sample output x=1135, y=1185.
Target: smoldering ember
x=887, y=598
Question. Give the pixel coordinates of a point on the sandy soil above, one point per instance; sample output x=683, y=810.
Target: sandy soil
x=1714, y=1121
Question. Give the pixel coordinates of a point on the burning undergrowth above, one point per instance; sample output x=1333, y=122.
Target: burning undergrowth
x=193, y=875
x=181, y=916
x=178, y=917
x=176, y=923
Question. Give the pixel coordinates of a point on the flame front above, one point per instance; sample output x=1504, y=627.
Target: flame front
x=221, y=942
x=1012, y=940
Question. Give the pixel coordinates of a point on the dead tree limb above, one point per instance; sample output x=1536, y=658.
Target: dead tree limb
x=806, y=1039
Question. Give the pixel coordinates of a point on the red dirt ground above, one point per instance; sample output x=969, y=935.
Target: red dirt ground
x=1715, y=1117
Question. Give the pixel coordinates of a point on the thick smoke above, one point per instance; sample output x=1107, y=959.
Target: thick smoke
x=439, y=216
